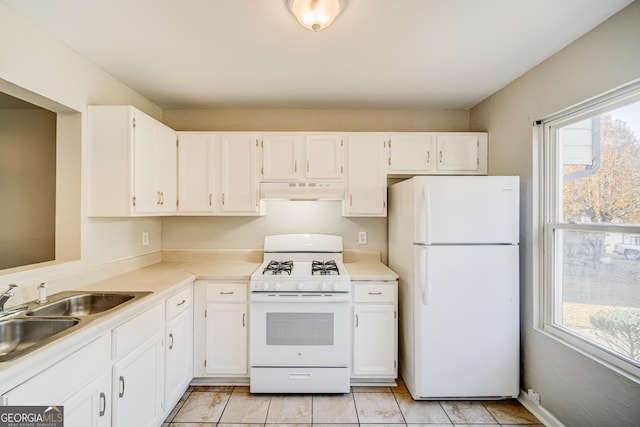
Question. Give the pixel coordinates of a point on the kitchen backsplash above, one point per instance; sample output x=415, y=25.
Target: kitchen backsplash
x=324, y=217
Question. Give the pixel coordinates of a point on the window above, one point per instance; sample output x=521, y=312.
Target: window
x=591, y=228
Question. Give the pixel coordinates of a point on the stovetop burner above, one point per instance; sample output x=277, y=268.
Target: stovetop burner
x=324, y=268
x=278, y=267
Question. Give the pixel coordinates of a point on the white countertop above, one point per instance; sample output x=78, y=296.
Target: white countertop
x=162, y=279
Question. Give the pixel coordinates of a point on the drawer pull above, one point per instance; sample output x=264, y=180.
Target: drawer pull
x=181, y=302
x=121, y=391
x=227, y=293
x=103, y=400
x=171, y=345
x=375, y=293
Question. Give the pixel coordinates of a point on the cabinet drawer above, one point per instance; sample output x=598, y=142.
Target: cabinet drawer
x=226, y=292
x=127, y=336
x=178, y=303
x=375, y=292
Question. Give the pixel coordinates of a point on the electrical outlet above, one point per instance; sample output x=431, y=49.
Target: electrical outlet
x=362, y=238
x=534, y=397
x=145, y=238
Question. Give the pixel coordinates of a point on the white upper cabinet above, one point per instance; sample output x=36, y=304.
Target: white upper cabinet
x=294, y=156
x=239, y=184
x=280, y=156
x=198, y=173
x=458, y=152
x=132, y=163
x=449, y=153
x=366, y=180
x=323, y=156
x=410, y=153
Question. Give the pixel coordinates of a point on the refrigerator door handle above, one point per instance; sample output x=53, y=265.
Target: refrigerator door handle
x=423, y=218
x=423, y=272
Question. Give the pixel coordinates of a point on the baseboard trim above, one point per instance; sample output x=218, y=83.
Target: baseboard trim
x=539, y=411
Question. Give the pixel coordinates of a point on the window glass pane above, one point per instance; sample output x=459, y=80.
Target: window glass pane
x=597, y=292
x=601, y=168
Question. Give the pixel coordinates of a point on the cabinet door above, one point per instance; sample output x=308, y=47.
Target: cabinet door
x=154, y=166
x=323, y=156
x=410, y=153
x=138, y=386
x=280, y=156
x=457, y=152
x=147, y=195
x=165, y=165
x=89, y=407
x=239, y=184
x=81, y=383
x=196, y=172
x=366, y=176
x=374, y=340
x=226, y=339
x=178, y=357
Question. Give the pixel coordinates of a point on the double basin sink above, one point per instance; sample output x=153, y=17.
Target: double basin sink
x=27, y=328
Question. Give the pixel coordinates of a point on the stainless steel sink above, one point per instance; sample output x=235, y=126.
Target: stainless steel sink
x=19, y=336
x=32, y=326
x=85, y=304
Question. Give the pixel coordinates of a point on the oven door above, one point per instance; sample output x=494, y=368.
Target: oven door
x=300, y=330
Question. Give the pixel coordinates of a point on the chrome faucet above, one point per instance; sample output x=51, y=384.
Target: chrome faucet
x=6, y=295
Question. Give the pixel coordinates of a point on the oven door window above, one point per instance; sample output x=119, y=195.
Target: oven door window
x=300, y=329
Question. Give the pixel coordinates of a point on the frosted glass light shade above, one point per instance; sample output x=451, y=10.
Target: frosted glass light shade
x=315, y=15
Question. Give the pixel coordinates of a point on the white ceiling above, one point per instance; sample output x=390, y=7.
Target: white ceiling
x=377, y=54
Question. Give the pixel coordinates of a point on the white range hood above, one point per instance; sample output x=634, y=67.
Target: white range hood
x=303, y=190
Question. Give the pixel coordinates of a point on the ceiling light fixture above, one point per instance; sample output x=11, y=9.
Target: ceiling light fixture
x=316, y=15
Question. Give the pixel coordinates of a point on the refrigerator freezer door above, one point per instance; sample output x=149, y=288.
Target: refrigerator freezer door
x=466, y=210
x=467, y=335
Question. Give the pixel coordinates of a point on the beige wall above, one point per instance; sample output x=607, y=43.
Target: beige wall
x=317, y=120
x=27, y=186
x=575, y=389
x=295, y=217
x=43, y=71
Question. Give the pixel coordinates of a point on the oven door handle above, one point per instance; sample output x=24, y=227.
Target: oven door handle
x=299, y=299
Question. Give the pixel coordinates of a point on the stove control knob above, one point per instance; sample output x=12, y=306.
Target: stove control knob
x=334, y=286
x=323, y=286
x=265, y=286
x=300, y=286
x=277, y=286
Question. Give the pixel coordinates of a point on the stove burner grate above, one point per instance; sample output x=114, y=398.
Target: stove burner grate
x=324, y=268
x=278, y=267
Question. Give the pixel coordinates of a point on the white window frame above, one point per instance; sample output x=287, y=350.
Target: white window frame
x=550, y=187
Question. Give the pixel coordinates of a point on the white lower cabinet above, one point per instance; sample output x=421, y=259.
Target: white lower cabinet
x=81, y=383
x=179, y=345
x=221, y=329
x=138, y=371
x=138, y=386
x=375, y=331
x=132, y=376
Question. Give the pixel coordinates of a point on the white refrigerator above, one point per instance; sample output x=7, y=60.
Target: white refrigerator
x=453, y=240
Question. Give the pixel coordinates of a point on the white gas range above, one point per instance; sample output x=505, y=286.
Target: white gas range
x=300, y=316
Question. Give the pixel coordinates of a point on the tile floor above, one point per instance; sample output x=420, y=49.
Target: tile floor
x=224, y=406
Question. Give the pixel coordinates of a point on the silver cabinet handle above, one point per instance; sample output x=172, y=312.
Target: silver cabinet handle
x=227, y=292
x=375, y=293
x=181, y=302
x=103, y=406
x=171, y=345
x=210, y=199
x=121, y=391
x=356, y=320
x=244, y=316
